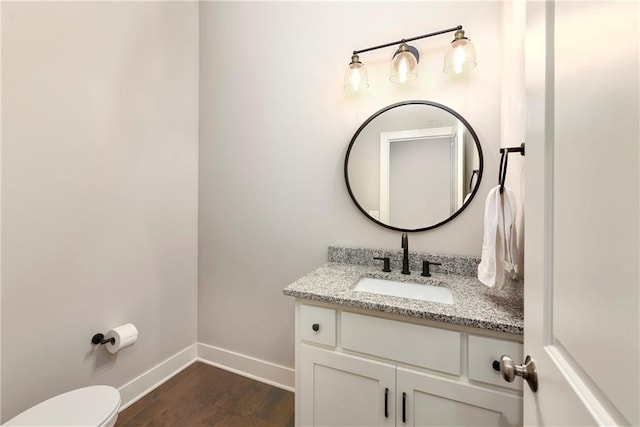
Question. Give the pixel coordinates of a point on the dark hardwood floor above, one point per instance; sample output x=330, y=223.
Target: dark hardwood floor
x=203, y=395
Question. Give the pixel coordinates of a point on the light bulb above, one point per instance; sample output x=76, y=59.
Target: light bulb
x=355, y=78
x=404, y=64
x=461, y=56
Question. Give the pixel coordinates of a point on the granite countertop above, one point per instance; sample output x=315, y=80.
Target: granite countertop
x=475, y=305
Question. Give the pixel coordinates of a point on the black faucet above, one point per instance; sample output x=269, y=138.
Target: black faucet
x=405, y=254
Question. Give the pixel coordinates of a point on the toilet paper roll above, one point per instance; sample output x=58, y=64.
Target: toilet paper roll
x=124, y=336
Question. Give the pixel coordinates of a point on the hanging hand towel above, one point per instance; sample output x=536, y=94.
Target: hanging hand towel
x=500, y=244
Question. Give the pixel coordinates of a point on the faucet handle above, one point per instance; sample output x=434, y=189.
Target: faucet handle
x=385, y=263
x=425, y=267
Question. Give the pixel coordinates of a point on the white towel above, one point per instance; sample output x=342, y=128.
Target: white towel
x=500, y=244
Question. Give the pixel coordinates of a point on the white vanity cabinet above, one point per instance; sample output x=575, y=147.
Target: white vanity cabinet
x=337, y=389
x=369, y=369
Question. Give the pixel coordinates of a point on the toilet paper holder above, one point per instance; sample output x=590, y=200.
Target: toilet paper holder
x=117, y=338
x=99, y=339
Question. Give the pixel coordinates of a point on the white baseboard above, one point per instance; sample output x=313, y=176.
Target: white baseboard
x=137, y=388
x=250, y=367
x=256, y=369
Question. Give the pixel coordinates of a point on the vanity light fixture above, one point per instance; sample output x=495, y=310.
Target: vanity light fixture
x=461, y=57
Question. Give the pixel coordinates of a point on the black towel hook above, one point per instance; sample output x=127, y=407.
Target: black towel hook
x=474, y=174
x=502, y=172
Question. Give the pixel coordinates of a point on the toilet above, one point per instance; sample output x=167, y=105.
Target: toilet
x=94, y=406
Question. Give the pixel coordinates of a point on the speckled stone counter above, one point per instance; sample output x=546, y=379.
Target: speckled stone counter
x=449, y=264
x=475, y=305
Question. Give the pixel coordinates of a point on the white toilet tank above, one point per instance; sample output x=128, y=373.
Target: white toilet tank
x=94, y=406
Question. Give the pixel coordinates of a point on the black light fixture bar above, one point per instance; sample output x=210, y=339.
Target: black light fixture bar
x=458, y=28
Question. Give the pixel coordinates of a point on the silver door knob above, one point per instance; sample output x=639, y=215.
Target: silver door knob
x=527, y=371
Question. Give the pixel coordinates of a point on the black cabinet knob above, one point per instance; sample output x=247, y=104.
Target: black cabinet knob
x=315, y=327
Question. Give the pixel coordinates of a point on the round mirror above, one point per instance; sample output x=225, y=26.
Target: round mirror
x=413, y=166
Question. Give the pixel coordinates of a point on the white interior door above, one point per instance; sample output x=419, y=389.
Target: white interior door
x=425, y=165
x=419, y=156
x=582, y=213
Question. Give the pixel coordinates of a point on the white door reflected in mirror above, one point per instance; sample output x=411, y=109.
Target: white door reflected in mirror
x=420, y=157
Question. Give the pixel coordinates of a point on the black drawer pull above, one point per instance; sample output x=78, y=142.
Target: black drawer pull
x=315, y=327
x=404, y=407
x=386, y=402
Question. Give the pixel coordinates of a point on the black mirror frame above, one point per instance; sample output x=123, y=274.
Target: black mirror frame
x=415, y=102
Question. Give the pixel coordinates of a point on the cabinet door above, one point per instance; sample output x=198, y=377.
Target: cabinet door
x=424, y=400
x=340, y=390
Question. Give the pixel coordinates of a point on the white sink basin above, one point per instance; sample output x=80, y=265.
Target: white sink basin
x=394, y=288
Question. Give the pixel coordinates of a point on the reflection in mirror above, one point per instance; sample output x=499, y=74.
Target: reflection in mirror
x=413, y=166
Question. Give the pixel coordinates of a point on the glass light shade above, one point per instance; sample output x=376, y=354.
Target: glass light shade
x=461, y=56
x=355, y=78
x=404, y=65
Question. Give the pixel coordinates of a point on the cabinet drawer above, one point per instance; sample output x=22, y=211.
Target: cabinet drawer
x=418, y=345
x=483, y=351
x=322, y=319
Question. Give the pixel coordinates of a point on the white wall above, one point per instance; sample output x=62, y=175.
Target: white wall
x=99, y=190
x=99, y=169
x=512, y=129
x=1, y=7
x=274, y=128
